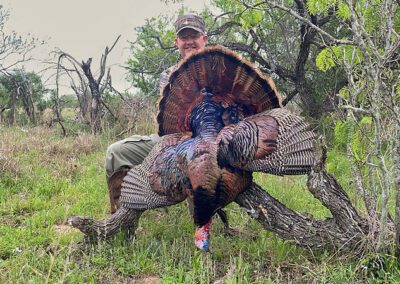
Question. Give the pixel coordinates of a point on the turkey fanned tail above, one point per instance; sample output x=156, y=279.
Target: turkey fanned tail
x=275, y=141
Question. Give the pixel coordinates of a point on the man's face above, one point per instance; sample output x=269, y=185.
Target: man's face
x=189, y=40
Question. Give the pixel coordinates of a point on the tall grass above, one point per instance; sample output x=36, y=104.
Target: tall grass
x=44, y=179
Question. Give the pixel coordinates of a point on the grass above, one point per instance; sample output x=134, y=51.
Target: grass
x=44, y=179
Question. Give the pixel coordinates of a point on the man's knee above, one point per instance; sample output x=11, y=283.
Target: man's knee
x=114, y=149
x=115, y=158
x=127, y=153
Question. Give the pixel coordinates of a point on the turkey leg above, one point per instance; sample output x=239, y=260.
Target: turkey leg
x=124, y=219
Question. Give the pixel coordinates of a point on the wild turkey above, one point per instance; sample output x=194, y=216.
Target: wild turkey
x=220, y=120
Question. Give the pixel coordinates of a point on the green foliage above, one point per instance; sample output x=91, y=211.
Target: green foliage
x=344, y=131
x=343, y=11
x=21, y=79
x=397, y=20
x=357, y=135
x=344, y=93
x=224, y=5
x=320, y=6
x=148, y=58
x=353, y=136
x=332, y=56
x=338, y=165
x=360, y=143
x=251, y=18
x=21, y=86
x=325, y=60
x=373, y=16
x=248, y=18
x=69, y=101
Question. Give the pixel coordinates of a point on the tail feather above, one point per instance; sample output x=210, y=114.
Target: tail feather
x=232, y=80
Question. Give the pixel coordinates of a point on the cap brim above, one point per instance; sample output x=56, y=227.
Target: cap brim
x=189, y=27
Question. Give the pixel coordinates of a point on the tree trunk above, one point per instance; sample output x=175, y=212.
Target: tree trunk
x=95, y=114
x=26, y=98
x=2, y=109
x=95, y=111
x=331, y=233
x=11, y=118
x=397, y=187
x=83, y=100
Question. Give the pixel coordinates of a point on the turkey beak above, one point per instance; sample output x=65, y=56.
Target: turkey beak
x=202, y=237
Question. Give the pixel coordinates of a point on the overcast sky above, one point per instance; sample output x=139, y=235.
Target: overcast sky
x=83, y=28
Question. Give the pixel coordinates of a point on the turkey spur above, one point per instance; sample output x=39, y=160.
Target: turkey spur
x=220, y=120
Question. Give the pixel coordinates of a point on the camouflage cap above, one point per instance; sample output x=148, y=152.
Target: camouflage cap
x=189, y=21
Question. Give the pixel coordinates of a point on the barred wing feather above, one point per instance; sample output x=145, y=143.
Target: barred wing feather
x=275, y=141
x=158, y=181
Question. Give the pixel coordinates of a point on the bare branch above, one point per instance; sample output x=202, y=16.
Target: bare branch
x=135, y=70
x=355, y=109
x=161, y=44
x=298, y=17
x=104, y=59
x=284, y=73
x=218, y=17
x=109, y=110
x=289, y=97
x=223, y=28
x=118, y=93
x=57, y=98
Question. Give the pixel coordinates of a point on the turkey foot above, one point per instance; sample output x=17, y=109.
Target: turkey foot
x=232, y=232
x=124, y=219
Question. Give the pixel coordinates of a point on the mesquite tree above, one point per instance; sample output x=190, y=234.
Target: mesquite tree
x=14, y=50
x=370, y=104
x=20, y=89
x=82, y=80
x=273, y=39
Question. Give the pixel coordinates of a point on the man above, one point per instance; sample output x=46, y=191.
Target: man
x=190, y=36
x=124, y=154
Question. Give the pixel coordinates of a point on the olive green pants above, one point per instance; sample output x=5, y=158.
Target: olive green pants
x=128, y=152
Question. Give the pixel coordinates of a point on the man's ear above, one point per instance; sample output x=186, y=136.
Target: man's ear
x=176, y=41
x=205, y=38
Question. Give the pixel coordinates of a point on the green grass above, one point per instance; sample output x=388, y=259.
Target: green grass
x=45, y=179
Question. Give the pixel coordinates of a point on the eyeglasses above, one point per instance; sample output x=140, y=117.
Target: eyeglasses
x=190, y=36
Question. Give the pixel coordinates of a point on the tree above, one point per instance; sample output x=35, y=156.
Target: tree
x=13, y=48
x=21, y=89
x=370, y=103
x=83, y=81
x=273, y=39
x=317, y=49
x=152, y=52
